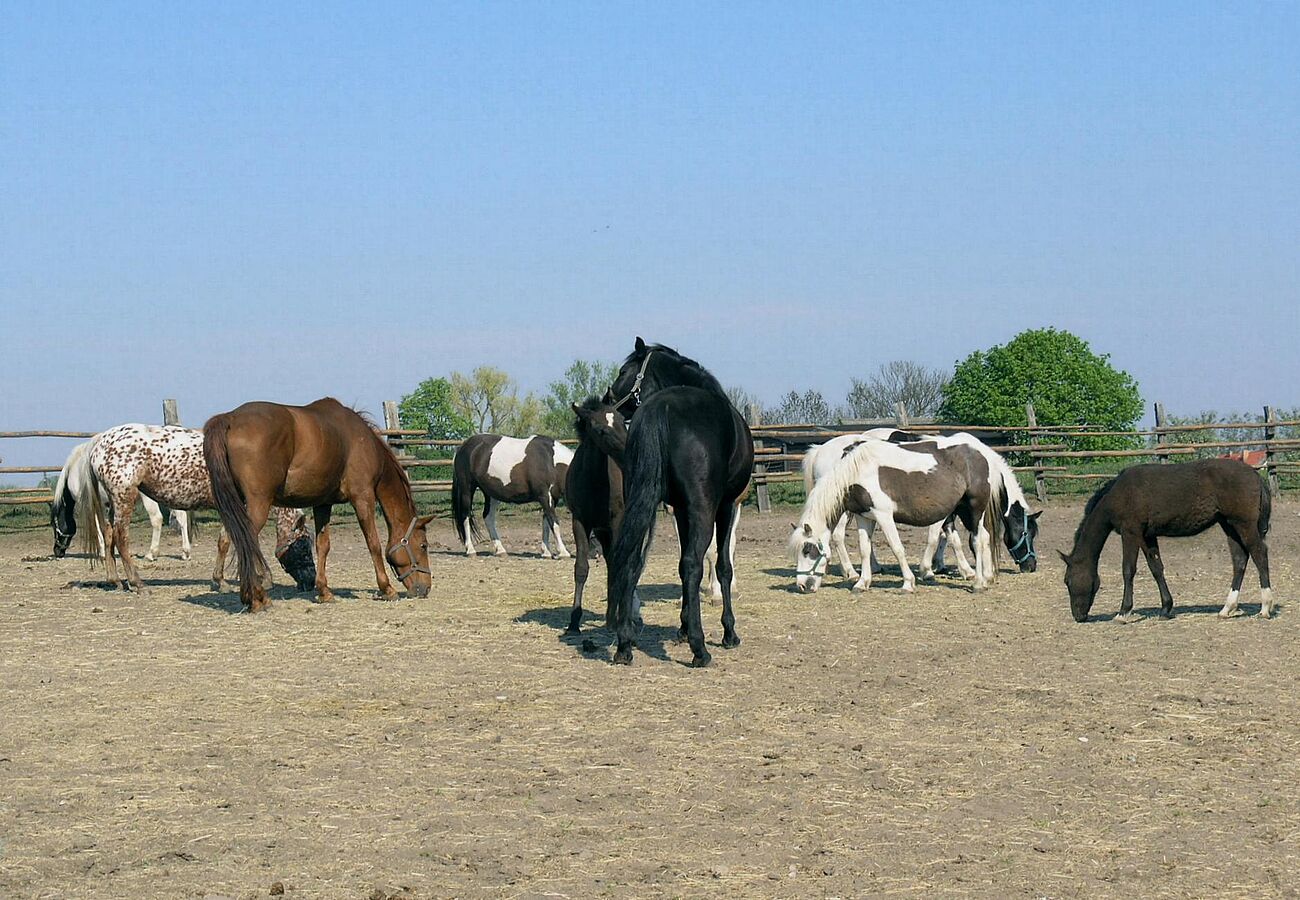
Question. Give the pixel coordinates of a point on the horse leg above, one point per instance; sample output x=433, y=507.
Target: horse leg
x=696, y=531
x=365, y=507
x=725, y=534
x=1130, y=553
x=258, y=511
x=711, y=569
x=182, y=519
x=581, y=566
x=890, y=529
x=1151, y=550
x=1258, y=550
x=932, y=536
x=842, y=549
x=219, y=570
x=123, y=507
x=155, y=515
x=866, y=549
x=941, y=547
x=954, y=541
x=490, y=506
x=321, y=519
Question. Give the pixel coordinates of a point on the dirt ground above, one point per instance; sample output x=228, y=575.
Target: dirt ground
x=941, y=744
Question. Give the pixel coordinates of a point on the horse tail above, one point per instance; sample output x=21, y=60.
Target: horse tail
x=1265, y=506
x=644, y=481
x=462, y=497
x=993, y=519
x=91, y=519
x=230, y=501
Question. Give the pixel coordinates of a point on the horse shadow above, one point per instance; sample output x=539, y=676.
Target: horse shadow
x=229, y=602
x=952, y=582
x=596, y=641
x=1244, y=611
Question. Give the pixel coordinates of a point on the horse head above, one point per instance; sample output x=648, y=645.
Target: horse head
x=812, y=553
x=1019, y=531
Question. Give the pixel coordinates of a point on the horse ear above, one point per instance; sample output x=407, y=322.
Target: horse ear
x=1064, y=558
x=640, y=344
x=423, y=520
x=576, y=411
x=1036, y=515
x=794, y=527
x=807, y=529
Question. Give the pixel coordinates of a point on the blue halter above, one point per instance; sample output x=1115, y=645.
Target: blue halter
x=1024, y=540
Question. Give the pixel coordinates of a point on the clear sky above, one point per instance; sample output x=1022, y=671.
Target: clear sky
x=232, y=201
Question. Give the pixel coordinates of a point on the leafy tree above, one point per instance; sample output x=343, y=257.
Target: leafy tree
x=430, y=407
x=582, y=379
x=808, y=408
x=918, y=387
x=1057, y=372
x=489, y=399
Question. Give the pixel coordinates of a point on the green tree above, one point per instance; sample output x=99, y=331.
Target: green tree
x=489, y=399
x=1059, y=373
x=582, y=379
x=430, y=407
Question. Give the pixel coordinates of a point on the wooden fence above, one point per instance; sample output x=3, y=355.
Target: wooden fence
x=779, y=449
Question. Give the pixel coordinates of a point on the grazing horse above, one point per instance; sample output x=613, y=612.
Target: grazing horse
x=63, y=511
x=687, y=445
x=509, y=470
x=261, y=454
x=165, y=463
x=820, y=460
x=919, y=483
x=1156, y=500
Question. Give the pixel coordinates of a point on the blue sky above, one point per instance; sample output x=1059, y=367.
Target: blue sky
x=225, y=202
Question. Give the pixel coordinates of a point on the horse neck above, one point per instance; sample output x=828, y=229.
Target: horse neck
x=679, y=374
x=1092, y=534
x=394, y=495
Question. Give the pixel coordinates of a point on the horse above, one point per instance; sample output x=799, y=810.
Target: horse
x=1157, y=500
x=260, y=454
x=918, y=483
x=509, y=470
x=820, y=460
x=165, y=463
x=593, y=491
x=63, y=510
x=688, y=445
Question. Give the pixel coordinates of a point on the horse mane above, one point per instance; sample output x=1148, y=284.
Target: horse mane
x=825, y=502
x=693, y=374
x=390, y=455
x=1092, y=504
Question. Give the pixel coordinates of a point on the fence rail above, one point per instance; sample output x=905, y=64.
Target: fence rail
x=778, y=449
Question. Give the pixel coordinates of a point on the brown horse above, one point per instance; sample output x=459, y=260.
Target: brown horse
x=316, y=455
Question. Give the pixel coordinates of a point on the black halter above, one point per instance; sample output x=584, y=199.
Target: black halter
x=635, y=394
x=405, y=544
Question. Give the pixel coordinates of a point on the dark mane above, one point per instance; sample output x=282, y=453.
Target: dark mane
x=1092, y=504
x=390, y=453
x=693, y=374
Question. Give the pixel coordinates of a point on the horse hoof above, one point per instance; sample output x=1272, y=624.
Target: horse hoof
x=623, y=656
x=909, y=587
x=501, y=553
x=1166, y=613
x=573, y=629
x=700, y=660
x=1127, y=618
x=326, y=598
x=859, y=588
x=1264, y=614
x=851, y=574
x=731, y=642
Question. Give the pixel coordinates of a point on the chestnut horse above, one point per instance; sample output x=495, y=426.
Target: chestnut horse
x=262, y=454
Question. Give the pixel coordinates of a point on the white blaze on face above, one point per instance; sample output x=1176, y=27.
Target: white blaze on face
x=609, y=419
x=506, y=454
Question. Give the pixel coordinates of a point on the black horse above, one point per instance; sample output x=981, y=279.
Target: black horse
x=594, y=488
x=687, y=445
x=1172, y=500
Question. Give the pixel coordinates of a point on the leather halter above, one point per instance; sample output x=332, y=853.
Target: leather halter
x=635, y=393
x=1024, y=540
x=405, y=544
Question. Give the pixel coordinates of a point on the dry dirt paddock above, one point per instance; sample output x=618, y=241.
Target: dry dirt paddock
x=942, y=744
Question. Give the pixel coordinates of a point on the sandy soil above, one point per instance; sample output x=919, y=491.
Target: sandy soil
x=941, y=744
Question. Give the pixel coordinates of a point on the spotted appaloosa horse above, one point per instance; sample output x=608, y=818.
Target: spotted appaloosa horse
x=165, y=462
x=63, y=511
x=509, y=470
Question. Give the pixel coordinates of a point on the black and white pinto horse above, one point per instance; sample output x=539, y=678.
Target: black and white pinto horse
x=593, y=492
x=509, y=470
x=920, y=483
x=74, y=480
x=687, y=445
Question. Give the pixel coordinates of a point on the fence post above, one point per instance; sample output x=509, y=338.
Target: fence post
x=171, y=416
x=900, y=415
x=1160, y=433
x=392, y=421
x=1040, y=480
x=754, y=417
x=1270, y=461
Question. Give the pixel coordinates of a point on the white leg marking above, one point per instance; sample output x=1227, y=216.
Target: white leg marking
x=1266, y=602
x=895, y=542
x=1229, y=605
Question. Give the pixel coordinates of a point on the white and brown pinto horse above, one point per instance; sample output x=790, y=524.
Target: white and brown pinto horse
x=509, y=470
x=72, y=483
x=165, y=463
x=919, y=483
